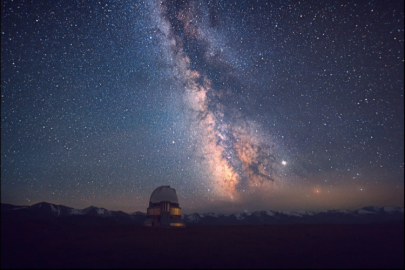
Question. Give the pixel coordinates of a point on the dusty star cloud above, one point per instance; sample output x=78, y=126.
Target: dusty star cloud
x=237, y=105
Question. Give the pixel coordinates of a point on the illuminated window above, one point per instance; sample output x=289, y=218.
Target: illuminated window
x=177, y=224
x=174, y=211
x=153, y=211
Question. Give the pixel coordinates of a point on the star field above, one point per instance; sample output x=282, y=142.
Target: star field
x=245, y=105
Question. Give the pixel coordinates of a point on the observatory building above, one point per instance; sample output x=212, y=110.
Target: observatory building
x=164, y=209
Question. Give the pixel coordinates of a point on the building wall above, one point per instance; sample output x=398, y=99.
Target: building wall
x=164, y=214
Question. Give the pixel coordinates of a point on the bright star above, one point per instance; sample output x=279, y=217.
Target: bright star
x=284, y=162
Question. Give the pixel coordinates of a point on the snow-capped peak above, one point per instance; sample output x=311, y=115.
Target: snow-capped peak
x=364, y=212
x=291, y=213
x=55, y=209
x=393, y=209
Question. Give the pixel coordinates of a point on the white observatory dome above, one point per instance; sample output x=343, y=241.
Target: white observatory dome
x=164, y=194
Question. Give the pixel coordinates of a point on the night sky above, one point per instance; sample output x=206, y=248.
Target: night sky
x=238, y=105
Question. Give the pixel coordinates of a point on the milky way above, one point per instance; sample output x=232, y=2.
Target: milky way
x=234, y=150
x=240, y=106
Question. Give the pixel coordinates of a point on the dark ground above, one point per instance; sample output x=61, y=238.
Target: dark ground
x=89, y=243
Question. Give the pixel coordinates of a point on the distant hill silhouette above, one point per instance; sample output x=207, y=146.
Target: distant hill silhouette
x=93, y=215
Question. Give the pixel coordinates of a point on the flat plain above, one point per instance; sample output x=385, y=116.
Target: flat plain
x=98, y=243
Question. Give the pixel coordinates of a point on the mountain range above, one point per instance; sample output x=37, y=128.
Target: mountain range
x=369, y=214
